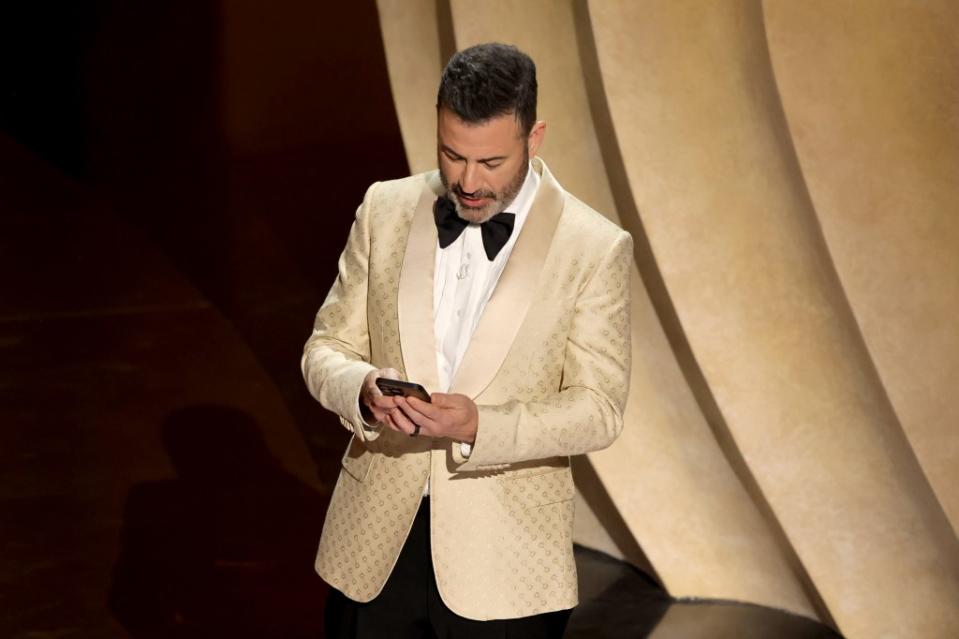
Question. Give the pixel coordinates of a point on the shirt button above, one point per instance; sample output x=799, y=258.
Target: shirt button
x=459, y=313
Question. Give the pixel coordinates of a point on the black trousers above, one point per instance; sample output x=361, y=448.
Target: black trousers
x=409, y=607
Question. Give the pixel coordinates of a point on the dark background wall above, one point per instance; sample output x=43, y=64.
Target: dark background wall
x=238, y=136
x=176, y=182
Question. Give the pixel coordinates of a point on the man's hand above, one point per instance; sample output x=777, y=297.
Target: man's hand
x=373, y=399
x=449, y=415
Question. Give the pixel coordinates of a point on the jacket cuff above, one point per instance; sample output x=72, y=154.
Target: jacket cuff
x=484, y=444
x=351, y=414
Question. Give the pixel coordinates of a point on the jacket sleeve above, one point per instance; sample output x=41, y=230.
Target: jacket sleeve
x=587, y=412
x=337, y=354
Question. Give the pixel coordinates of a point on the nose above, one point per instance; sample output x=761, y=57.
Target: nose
x=469, y=181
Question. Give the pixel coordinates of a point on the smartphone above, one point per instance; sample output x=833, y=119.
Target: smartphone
x=398, y=387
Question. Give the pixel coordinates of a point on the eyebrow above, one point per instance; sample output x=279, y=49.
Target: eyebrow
x=450, y=151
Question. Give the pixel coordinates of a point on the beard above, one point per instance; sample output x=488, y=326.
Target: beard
x=498, y=201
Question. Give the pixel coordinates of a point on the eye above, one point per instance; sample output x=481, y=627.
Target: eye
x=492, y=164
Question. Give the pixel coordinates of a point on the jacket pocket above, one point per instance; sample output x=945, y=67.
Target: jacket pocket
x=530, y=491
x=357, y=460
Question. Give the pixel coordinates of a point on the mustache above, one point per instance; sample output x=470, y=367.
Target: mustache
x=458, y=190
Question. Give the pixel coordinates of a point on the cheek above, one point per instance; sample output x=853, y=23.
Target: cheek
x=502, y=183
x=449, y=171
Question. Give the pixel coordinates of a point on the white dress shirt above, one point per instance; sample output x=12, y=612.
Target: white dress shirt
x=463, y=281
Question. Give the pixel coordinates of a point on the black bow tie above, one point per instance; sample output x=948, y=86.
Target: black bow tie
x=449, y=226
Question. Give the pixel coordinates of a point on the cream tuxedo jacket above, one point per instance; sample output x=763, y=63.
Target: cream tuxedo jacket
x=548, y=367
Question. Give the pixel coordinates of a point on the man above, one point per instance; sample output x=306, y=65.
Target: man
x=508, y=300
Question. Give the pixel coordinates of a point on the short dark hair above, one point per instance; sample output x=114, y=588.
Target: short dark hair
x=489, y=80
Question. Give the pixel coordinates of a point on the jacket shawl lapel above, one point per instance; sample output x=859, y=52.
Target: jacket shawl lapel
x=506, y=309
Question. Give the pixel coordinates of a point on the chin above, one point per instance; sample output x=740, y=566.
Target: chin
x=476, y=216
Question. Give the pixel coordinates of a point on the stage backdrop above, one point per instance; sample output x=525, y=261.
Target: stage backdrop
x=790, y=175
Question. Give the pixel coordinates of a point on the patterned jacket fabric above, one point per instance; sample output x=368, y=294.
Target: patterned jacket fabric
x=548, y=367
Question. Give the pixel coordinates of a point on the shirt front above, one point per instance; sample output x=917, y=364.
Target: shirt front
x=464, y=280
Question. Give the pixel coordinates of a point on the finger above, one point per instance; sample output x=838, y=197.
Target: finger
x=384, y=402
x=388, y=421
x=416, y=416
x=381, y=415
x=402, y=421
x=378, y=405
x=398, y=422
x=432, y=411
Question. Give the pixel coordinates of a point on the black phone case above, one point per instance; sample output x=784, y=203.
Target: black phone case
x=398, y=387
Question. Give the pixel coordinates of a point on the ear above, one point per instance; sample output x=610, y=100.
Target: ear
x=536, y=135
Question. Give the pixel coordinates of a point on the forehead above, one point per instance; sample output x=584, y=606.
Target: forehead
x=496, y=136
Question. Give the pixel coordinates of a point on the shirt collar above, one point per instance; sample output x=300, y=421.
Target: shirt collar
x=523, y=201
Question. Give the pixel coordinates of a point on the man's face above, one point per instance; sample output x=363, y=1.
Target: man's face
x=483, y=165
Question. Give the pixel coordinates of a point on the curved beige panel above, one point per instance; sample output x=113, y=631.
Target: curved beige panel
x=666, y=474
x=709, y=159
x=872, y=99
x=413, y=43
